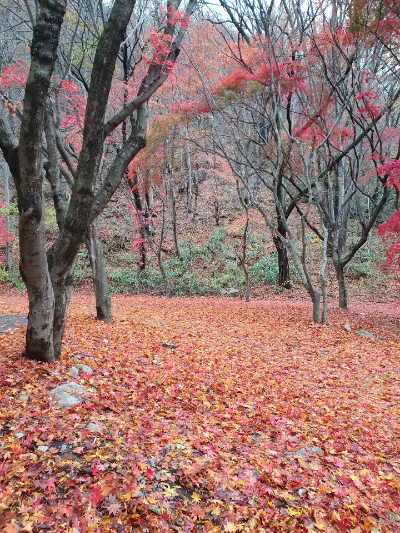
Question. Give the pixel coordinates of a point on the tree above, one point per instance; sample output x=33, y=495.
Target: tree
x=48, y=275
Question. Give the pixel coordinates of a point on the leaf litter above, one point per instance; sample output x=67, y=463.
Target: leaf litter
x=256, y=420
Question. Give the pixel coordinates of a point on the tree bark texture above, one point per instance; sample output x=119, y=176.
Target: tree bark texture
x=99, y=274
x=32, y=237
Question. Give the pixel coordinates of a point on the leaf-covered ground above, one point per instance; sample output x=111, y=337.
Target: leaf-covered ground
x=256, y=420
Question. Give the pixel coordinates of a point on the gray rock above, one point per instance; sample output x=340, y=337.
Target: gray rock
x=23, y=397
x=347, y=327
x=232, y=292
x=308, y=450
x=63, y=396
x=394, y=517
x=84, y=368
x=66, y=400
x=365, y=334
x=92, y=426
x=168, y=345
x=155, y=362
x=43, y=448
x=64, y=448
x=19, y=435
x=301, y=492
x=68, y=387
x=74, y=371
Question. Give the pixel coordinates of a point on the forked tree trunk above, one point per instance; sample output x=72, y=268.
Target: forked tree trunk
x=49, y=279
x=283, y=259
x=99, y=274
x=283, y=264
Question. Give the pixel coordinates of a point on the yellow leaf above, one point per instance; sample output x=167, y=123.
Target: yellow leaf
x=124, y=497
x=196, y=498
x=216, y=511
x=295, y=512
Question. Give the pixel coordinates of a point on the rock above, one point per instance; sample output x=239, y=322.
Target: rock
x=43, y=448
x=347, y=327
x=301, y=492
x=19, y=435
x=68, y=387
x=232, y=292
x=394, y=517
x=308, y=450
x=64, y=448
x=23, y=397
x=365, y=334
x=66, y=400
x=84, y=368
x=155, y=362
x=168, y=345
x=92, y=426
x=74, y=371
x=63, y=396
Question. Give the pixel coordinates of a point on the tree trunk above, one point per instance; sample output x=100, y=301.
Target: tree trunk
x=7, y=217
x=343, y=300
x=32, y=236
x=167, y=284
x=62, y=287
x=283, y=259
x=171, y=193
x=316, y=303
x=99, y=274
x=243, y=260
x=283, y=264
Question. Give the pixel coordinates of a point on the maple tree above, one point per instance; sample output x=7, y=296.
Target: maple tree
x=47, y=274
x=311, y=135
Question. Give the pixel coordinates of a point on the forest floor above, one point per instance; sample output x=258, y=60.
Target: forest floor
x=204, y=414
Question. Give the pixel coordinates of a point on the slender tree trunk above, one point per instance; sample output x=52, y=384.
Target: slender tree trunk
x=143, y=225
x=343, y=297
x=244, y=246
x=99, y=274
x=243, y=259
x=171, y=191
x=167, y=284
x=7, y=217
x=322, y=276
x=189, y=182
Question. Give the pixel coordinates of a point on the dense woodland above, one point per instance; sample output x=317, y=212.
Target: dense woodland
x=228, y=172
x=279, y=119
